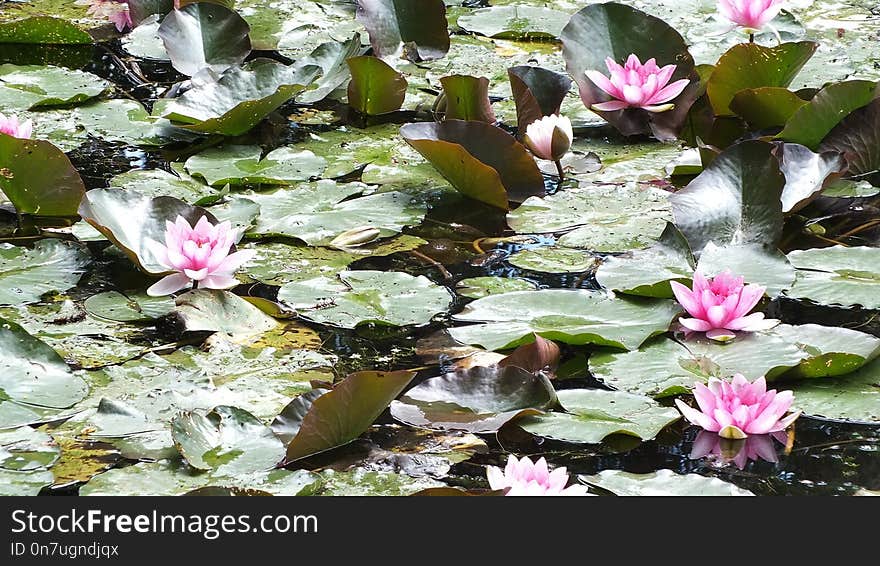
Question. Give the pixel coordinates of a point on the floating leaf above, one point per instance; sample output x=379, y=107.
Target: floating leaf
x=766, y=107
x=554, y=260
x=749, y=66
x=755, y=264
x=241, y=98
x=43, y=30
x=570, y=316
x=375, y=87
x=478, y=287
x=23, y=449
x=361, y=482
x=113, y=305
x=81, y=461
x=158, y=182
x=593, y=414
x=344, y=413
x=480, y=160
x=130, y=220
x=205, y=36
x=27, y=274
x=515, y=22
x=857, y=137
x=614, y=30
x=213, y=310
x=477, y=400
x=242, y=165
x=467, y=98
x=854, y=397
x=14, y=483
x=38, y=178
x=811, y=123
x=537, y=92
x=662, y=483
x=288, y=422
x=838, y=276
x=228, y=441
x=419, y=29
x=331, y=57
x=735, y=200
x=33, y=373
x=140, y=10
x=318, y=212
x=33, y=86
x=604, y=219
x=359, y=297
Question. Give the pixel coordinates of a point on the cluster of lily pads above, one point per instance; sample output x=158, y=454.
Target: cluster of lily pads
x=203, y=367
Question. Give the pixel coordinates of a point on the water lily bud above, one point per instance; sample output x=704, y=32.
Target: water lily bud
x=355, y=237
x=549, y=137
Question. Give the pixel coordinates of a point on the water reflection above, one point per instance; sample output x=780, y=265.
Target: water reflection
x=740, y=452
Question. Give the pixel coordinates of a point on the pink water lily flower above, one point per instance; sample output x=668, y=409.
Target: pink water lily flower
x=750, y=14
x=10, y=126
x=199, y=255
x=527, y=478
x=549, y=137
x=114, y=10
x=740, y=452
x=721, y=305
x=738, y=409
x=634, y=85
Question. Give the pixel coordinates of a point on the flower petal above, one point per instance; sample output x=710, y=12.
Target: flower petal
x=168, y=284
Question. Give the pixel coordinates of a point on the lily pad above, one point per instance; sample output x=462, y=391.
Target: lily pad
x=130, y=220
x=593, y=414
x=43, y=30
x=241, y=98
x=467, y=98
x=570, y=316
x=344, y=413
x=13, y=483
x=331, y=57
x=735, y=200
x=23, y=449
x=749, y=65
x=480, y=160
x=478, y=287
x=318, y=212
x=662, y=483
x=603, y=219
x=766, y=107
x=857, y=138
x=205, y=35
x=806, y=174
x=144, y=41
x=228, y=441
x=242, y=165
x=477, y=400
x=515, y=22
x=811, y=123
x=33, y=373
x=158, y=182
x=221, y=311
x=755, y=264
x=614, y=30
x=554, y=260
x=421, y=30
x=854, y=397
x=362, y=482
x=360, y=297
x=33, y=86
x=375, y=87
x=27, y=274
x=38, y=178
x=837, y=276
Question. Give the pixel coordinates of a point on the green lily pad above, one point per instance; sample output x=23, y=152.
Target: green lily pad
x=158, y=182
x=857, y=138
x=318, y=212
x=331, y=57
x=375, y=87
x=221, y=311
x=205, y=35
x=749, y=66
x=554, y=260
x=33, y=86
x=570, y=316
x=614, y=30
x=766, y=267
x=766, y=107
x=854, y=397
x=837, y=276
x=228, y=441
x=481, y=161
x=242, y=165
x=479, y=287
x=662, y=483
x=362, y=482
x=33, y=373
x=14, y=483
x=38, y=178
x=735, y=200
x=593, y=414
x=345, y=412
x=43, y=30
x=27, y=274
x=811, y=123
x=144, y=42
x=467, y=98
x=241, y=98
x=603, y=219
x=515, y=22
x=478, y=400
x=360, y=297
x=393, y=24
x=129, y=219
x=23, y=449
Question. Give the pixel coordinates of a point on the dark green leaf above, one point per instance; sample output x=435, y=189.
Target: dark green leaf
x=375, y=87
x=418, y=27
x=857, y=137
x=467, y=98
x=43, y=30
x=205, y=36
x=38, y=178
x=766, y=107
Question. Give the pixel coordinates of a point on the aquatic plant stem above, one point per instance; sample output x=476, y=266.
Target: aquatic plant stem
x=559, y=170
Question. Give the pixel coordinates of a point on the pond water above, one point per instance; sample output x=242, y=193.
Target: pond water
x=460, y=239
